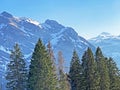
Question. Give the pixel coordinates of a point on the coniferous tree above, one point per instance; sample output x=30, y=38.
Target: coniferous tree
x=89, y=71
x=75, y=72
x=114, y=74
x=51, y=54
x=84, y=66
x=104, y=81
x=41, y=74
x=16, y=70
x=62, y=77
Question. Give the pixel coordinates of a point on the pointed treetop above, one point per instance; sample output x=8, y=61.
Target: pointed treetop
x=98, y=51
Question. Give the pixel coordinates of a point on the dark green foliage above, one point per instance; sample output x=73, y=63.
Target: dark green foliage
x=75, y=72
x=89, y=71
x=103, y=73
x=16, y=70
x=63, y=81
x=94, y=73
x=114, y=74
x=41, y=74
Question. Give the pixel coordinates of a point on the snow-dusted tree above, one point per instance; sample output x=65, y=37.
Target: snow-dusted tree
x=16, y=70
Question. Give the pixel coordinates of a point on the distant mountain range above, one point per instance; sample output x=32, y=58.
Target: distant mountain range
x=26, y=32
x=109, y=44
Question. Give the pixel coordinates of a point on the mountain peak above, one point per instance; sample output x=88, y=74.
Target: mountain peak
x=6, y=14
x=48, y=21
x=105, y=34
x=53, y=24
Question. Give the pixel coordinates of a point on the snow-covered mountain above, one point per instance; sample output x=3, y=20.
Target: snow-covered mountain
x=26, y=32
x=109, y=44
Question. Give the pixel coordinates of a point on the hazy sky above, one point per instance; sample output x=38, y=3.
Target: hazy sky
x=88, y=17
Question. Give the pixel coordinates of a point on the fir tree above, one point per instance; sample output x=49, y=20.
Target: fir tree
x=114, y=74
x=75, y=72
x=89, y=71
x=62, y=77
x=41, y=74
x=16, y=70
x=51, y=55
x=104, y=81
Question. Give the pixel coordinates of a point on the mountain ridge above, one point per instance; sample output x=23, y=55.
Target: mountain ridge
x=109, y=45
x=26, y=32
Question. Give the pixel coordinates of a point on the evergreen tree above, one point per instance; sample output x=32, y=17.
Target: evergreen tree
x=114, y=74
x=75, y=72
x=50, y=52
x=104, y=81
x=16, y=70
x=63, y=81
x=89, y=71
x=41, y=74
x=62, y=77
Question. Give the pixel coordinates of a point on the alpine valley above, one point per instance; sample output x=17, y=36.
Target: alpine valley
x=26, y=32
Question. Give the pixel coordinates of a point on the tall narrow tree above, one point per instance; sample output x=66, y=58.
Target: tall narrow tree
x=75, y=72
x=114, y=74
x=62, y=77
x=50, y=52
x=51, y=55
x=102, y=68
x=89, y=70
x=16, y=70
x=41, y=74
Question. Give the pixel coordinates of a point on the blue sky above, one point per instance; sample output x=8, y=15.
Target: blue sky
x=88, y=17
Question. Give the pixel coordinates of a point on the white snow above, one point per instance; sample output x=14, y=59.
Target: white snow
x=79, y=46
x=56, y=37
x=13, y=24
x=72, y=40
x=104, y=36
x=28, y=34
x=117, y=37
x=46, y=26
x=22, y=29
x=17, y=18
x=4, y=49
x=27, y=55
x=33, y=21
x=84, y=42
x=54, y=41
x=57, y=34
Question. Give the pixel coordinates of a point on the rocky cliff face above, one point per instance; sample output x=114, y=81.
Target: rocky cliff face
x=26, y=32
